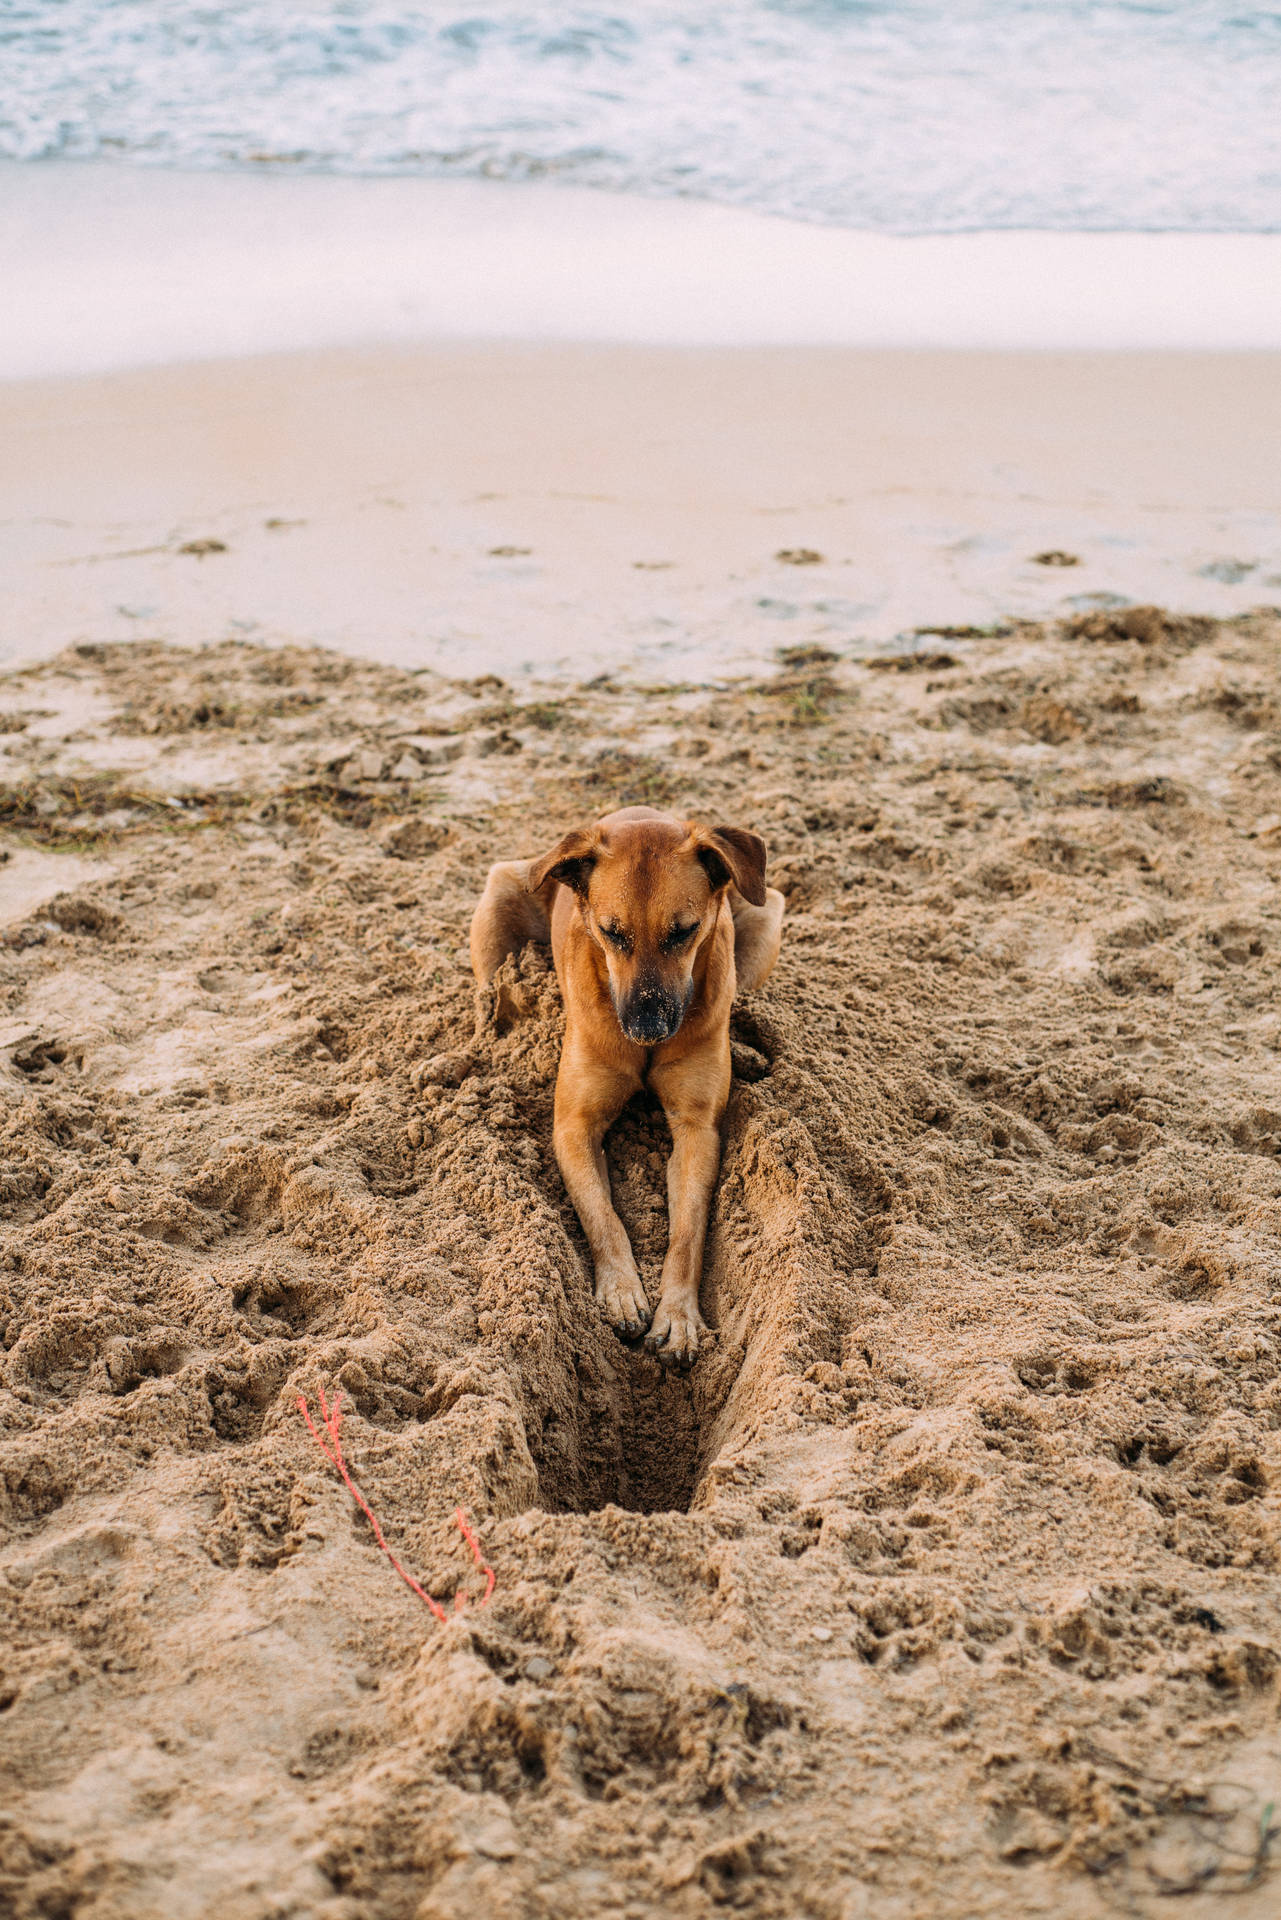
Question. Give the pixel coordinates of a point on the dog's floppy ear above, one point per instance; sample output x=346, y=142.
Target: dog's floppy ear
x=732, y=853
x=571, y=861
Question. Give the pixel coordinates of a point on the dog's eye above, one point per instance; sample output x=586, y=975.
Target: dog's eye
x=616, y=937
x=680, y=936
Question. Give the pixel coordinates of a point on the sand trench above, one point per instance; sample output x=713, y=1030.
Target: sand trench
x=944, y=1583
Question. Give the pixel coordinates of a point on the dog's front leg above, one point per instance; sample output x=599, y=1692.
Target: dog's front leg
x=693, y=1093
x=588, y=1098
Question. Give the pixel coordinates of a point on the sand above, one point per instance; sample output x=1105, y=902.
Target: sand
x=110, y=265
x=945, y=1584
x=533, y=509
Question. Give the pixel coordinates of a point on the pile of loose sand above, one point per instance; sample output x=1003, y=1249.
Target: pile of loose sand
x=944, y=1584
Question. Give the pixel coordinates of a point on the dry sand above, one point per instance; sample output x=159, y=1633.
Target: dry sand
x=946, y=1583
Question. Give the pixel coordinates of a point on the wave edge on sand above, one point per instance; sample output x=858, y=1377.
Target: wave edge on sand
x=118, y=266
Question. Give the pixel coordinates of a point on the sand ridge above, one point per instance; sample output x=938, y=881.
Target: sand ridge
x=945, y=1582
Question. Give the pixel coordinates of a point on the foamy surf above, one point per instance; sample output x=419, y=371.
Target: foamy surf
x=907, y=115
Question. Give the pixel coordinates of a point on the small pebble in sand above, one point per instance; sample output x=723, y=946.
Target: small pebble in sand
x=799, y=556
x=365, y=765
x=509, y=553
x=1055, y=557
x=821, y=1633
x=201, y=547
x=538, y=1668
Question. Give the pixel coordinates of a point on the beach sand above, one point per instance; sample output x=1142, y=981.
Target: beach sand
x=543, y=509
x=111, y=265
x=945, y=1584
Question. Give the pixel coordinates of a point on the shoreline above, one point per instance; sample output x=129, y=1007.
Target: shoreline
x=116, y=265
x=548, y=509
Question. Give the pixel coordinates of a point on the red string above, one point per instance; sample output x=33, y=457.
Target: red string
x=331, y=1420
x=478, y=1557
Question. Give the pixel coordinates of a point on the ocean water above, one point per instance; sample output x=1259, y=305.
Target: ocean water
x=908, y=116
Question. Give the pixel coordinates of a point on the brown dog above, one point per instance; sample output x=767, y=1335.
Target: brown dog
x=654, y=924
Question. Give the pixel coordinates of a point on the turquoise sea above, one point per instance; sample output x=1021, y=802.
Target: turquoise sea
x=910, y=116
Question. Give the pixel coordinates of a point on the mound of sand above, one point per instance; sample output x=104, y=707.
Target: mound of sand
x=945, y=1583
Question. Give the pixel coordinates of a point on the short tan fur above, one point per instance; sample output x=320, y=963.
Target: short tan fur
x=655, y=923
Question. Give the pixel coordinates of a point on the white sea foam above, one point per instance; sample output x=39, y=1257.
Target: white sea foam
x=907, y=115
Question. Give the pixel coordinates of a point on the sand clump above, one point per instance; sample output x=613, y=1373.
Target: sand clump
x=945, y=1582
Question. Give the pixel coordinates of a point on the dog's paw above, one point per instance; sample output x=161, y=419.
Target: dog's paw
x=623, y=1303
x=674, y=1333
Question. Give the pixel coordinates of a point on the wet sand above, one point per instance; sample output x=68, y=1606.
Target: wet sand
x=557, y=509
x=122, y=265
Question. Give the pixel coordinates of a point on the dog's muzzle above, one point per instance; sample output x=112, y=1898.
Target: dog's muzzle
x=651, y=1014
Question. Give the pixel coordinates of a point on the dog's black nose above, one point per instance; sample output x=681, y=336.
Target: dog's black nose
x=650, y=1015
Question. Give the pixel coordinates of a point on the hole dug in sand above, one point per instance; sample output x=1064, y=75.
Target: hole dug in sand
x=623, y=1429
x=633, y=1440
x=606, y=1424
x=609, y=1425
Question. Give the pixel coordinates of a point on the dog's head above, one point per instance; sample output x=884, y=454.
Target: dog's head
x=649, y=889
